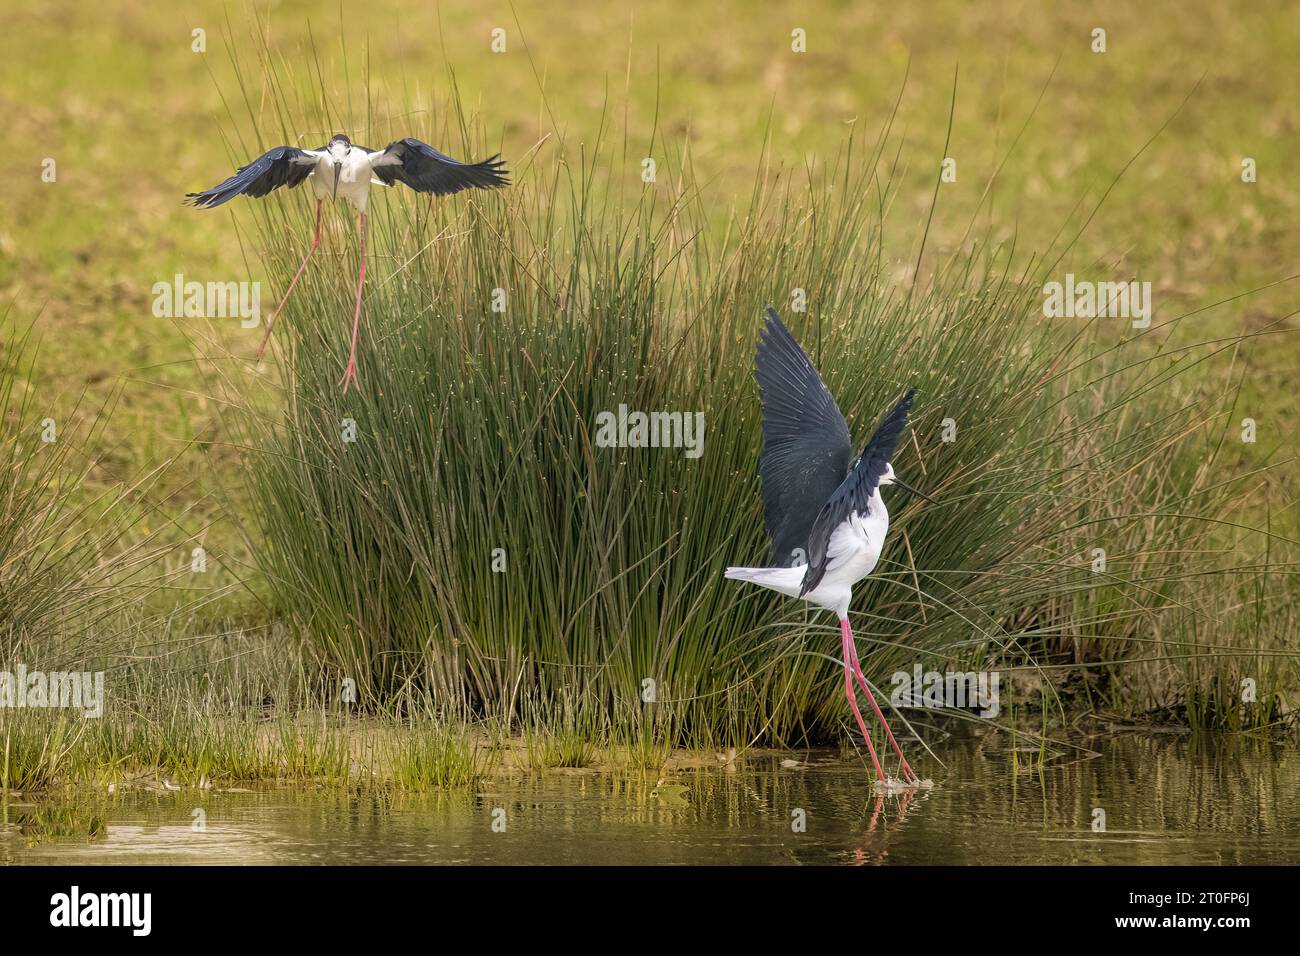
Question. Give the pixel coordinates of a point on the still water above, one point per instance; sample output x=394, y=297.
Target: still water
x=1164, y=800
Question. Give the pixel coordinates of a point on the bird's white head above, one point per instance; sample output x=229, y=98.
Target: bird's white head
x=338, y=147
x=889, y=478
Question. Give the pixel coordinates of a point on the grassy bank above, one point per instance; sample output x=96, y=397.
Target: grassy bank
x=238, y=706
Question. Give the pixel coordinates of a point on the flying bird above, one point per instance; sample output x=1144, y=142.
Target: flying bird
x=826, y=517
x=341, y=168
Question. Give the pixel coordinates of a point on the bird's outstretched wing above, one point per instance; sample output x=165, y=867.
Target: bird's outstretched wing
x=282, y=166
x=854, y=493
x=426, y=170
x=806, y=445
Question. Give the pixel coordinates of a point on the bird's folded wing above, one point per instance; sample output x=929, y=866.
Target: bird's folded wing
x=806, y=445
x=282, y=166
x=855, y=492
x=424, y=169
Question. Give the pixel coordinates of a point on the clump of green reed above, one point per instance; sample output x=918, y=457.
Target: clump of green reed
x=455, y=525
x=431, y=755
x=32, y=757
x=558, y=746
x=70, y=556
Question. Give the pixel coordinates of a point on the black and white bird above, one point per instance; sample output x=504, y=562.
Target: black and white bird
x=341, y=168
x=826, y=517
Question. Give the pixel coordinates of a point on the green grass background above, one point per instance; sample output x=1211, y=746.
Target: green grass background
x=113, y=93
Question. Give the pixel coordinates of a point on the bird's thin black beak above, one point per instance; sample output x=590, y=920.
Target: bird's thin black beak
x=908, y=488
x=338, y=168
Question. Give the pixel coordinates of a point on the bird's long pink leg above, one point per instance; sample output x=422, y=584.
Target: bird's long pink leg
x=848, y=692
x=350, y=375
x=852, y=654
x=297, y=275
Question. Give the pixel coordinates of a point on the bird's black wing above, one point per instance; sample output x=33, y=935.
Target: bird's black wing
x=806, y=445
x=282, y=166
x=854, y=493
x=426, y=170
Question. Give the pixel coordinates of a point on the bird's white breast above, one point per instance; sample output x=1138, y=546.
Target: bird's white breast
x=354, y=177
x=855, y=546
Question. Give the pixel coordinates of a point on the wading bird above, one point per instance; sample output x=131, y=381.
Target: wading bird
x=826, y=517
x=343, y=168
